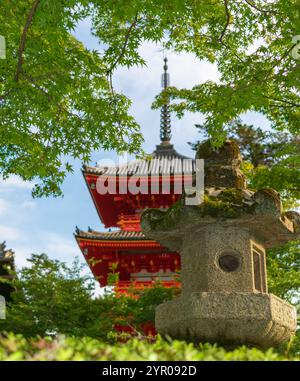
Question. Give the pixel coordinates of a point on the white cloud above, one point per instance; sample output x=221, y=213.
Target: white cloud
x=15, y=182
x=60, y=246
x=3, y=207
x=22, y=253
x=56, y=246
x=15, y=210
x=142, y=84
x=10, y=233
x=28, y=204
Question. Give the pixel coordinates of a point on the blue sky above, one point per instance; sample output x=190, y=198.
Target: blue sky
x=47, y=225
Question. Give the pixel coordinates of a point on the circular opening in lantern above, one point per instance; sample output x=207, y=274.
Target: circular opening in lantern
x=229, y=261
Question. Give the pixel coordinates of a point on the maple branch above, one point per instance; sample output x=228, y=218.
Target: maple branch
x=36, y=86
x=251, y=4
x=227, y=21
x=110, y=70
x=110, y=81
x=283, y=101
x=48, y=96
x=124, y=45
x=23, y=38
x=235, y=55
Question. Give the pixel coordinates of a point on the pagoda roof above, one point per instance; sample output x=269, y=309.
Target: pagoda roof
x=169, y=161
x=118, y=235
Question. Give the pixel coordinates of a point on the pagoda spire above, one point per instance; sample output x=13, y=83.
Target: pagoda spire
x=165, y=117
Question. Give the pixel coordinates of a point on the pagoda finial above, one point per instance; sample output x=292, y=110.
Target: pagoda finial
x=165, y=118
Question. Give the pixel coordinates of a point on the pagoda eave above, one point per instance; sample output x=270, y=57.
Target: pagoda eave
x=110, y=244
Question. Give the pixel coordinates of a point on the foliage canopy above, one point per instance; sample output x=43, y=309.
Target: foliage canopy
x=57, y=99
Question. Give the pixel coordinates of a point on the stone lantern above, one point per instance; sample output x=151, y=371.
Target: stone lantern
x=222, y=244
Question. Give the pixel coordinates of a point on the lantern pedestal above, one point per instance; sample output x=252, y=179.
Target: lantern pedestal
x=240, y=318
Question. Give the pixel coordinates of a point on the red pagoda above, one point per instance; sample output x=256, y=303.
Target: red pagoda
x=140, y=261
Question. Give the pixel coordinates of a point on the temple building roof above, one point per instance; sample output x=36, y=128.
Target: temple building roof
x=166, y=164
x=118, y=235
